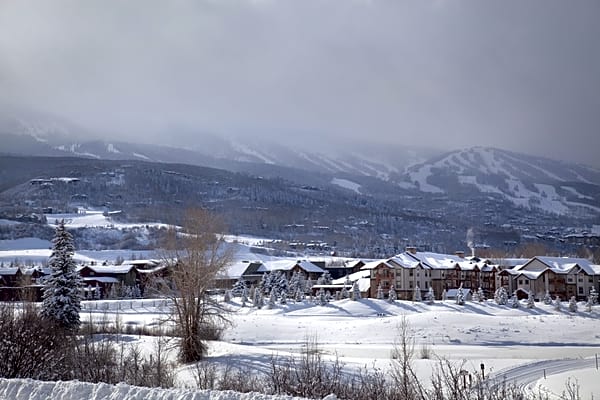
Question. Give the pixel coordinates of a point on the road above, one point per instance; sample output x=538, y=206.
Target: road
x=525, y=376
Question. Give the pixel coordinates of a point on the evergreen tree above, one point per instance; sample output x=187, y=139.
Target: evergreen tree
x=238, y=287
x=460, y=296
x=356, y=291
x=379, y=292
x=227, y=296
x=430, y=296
x=392, y=296
x=514, y=301
x=573, y=304
x=530, y=300
x=444, y=295
x=500, y=296
x=322, y=297
x=593, y=296
x=480, y=295
x=417, y=294
x=244, y=296
x=272, y=298
x=588, y=305
x=62, y=291
x=547, y=298
x=344, y=293
x=325, y=279
x=557, y=304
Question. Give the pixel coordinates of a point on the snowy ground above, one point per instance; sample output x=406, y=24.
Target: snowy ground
x=518, y=344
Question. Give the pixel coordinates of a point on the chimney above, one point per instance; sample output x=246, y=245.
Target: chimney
x=411, y=249
x=460, y=253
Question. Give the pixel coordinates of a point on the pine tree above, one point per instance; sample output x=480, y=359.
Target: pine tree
x=514, y=301
x=594, y=296
x=444, y=295
x=272, y=297
x=480, y=295
x=356, y=291
x=322, y=297
x=379, y=292
x=460, y=296
x=530, y=300
x=62, y=291
x=324, y=279
x=557, y=304
x=392, y=296
x=500, y=296
x=573, y=304
x=588, y=304
x=430, y=296
x=547, y=298
x=238, y=287
x=417, y=294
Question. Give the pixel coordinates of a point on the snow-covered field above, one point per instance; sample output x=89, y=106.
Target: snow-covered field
x=519, y=344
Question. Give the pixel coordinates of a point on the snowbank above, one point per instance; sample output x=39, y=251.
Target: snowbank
x=21, y=389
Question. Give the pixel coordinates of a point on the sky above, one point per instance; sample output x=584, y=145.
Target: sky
x=519, y=75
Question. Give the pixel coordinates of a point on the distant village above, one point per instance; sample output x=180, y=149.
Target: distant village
x=409, y=275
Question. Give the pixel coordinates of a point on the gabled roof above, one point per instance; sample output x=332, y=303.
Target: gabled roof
x=108, y=269
x=240, y=268
x=431, y=260
x=562, y=265
x=288, y=265
x=9, y=271
x=374, y=264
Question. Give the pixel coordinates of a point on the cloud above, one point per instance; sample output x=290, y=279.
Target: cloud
x=519, y=75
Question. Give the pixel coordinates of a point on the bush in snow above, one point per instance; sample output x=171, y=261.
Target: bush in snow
x=460, y=296
x=500, y=296
x=379, y=292
x=573, y=304
x=227, y=296
x=417, y=294
x=430, y=296
x=557, y=304
x=530, y=300
x=62, y=291
x=547, y=298
x=392, y=296
x=356, y=291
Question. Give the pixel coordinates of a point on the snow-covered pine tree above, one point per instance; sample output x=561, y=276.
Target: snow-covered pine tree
x=324, y=279
x=322, y=297
x=417, y=294
x=573, y=304
x=594, y=296
x=444, y=295
x=481, y=294
x=514, y=301
x=272, y=297
x=294, y=282
x=460, y=296
x=392, y=296
x=557, y=304
x=238, y=287
x=299, y=295
x=379, y=292
x=588, y=305
x=475, y=296
x=356, y=291
x=530, y=300
x=501, y=296
x=430, y=296
x=227, y=296
x=344, y=293
x=62, y=290
x=547, y=298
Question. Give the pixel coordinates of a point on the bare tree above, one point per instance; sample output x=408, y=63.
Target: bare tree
x=197, y=254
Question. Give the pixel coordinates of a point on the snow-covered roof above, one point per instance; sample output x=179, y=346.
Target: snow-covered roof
x=9, y=271
x=362, y=274
x=509, y=262
x=103, y=279
x=375, y=264
x=237, y=269
x=288, y=265
x=108, y=269
x=564, y=264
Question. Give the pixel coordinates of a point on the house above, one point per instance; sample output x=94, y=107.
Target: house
x=248, y=270
x=106, y=276
x=289, y=267
x=340, y=270
x=560, y=276
x=382, y=274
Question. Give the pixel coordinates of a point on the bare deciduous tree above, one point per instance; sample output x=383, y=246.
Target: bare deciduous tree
x=197, y=254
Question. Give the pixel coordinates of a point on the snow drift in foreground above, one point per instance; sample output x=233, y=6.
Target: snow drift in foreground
x=28, y=389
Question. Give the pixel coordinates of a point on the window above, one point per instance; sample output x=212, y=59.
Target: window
x=410, y=273
x=580, y=290
x=410, y=285
x=520, y=281
x=426, y=285
x=527, y=281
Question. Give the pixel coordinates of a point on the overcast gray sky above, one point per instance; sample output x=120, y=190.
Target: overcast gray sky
x=521, y=75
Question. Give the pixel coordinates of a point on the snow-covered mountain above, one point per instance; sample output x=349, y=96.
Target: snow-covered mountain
x=532, y=182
